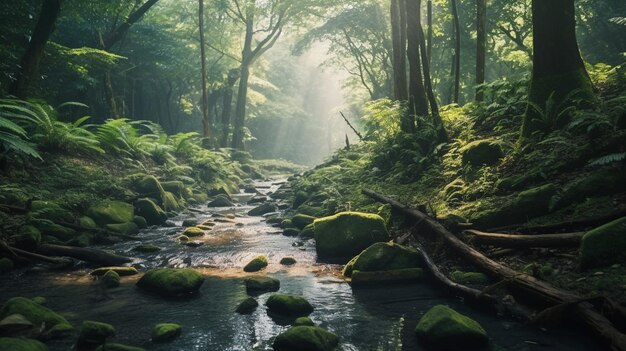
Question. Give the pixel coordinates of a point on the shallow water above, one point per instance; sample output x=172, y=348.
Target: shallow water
x=381, y=318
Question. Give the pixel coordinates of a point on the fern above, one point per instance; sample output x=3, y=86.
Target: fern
x=607, y=159
x=13, y=137
x=619, y=20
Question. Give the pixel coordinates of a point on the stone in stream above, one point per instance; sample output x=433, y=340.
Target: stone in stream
x=15, y=324
x=169, y=224
x=257, y=199
x=221, y=201
x=309, y=338
x=166, y=332
x=443, y=327
x=262, y=209
x=118, y=347
x=54, y=324
x=404, y=275
x=190, y=222
x=301, y=220
x=140, y=221
x=287, y=261
x=122, y=271
x=291, y=232
x=604, y=245
x=128, y=228
x=171, y=282
x=209, y=223
x=148, y=209
x=194, y=243
x=183, y=238
x=303, y=321
x=256, y=264
x=258, y=284
x=348, y=233
x=111, y=279
x=308, y=232
x=93, y=334
x=247, y=306
x=109, y=211
x=383, y=257
x=147, y=248
x=193, y=232
x=205, y=227
x=289, y=305
x=21, y=344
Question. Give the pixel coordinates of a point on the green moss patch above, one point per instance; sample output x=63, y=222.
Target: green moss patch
x=443, y=327
x=171, y=282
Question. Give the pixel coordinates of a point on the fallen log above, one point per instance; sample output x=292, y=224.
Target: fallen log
x=524, y=284
x=31, y=255
x=524, y=241
x=84, y=254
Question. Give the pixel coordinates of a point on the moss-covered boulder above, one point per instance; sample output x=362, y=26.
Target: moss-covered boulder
x=118, y=347
x=122, y=271
x=383, y=257
x=140, y=221
x=146, y=184
x=299, y=198
x=261, y=284
x=193, y=232
x=48, y=228
x=443, y=327
x=289, y=305
x=256, y=264
x=21, y=344
x=93, y=334
x=176, y=187
x=247, y=306
x=171, y=202
x=604, y=245
x=54, y=324
x=87, y=222
x=348, y=233
x=28, y=238
x=306, y=338
x=171, y=281
x=149, y=210
x=6, y=265
x=166, y=332
x=221, y=201
x=303, y=321
x=109, y=212
x=128, y=228
x=473, y=278
x=308, y=232
x=481, y=152
x=314, y=211
x=262, y=209
x=147, y=248
x=50, y=210
x=111, y=279
x=287, y=261
x=301, y=220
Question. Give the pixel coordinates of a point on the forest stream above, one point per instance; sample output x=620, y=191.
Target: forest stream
x=376, y=318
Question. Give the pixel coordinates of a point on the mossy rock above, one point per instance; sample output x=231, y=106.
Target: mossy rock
x=301, y=220
x=55, y=325
x=308, y=232
x=82, y=240
x=183, y=238
x=306, y=321
x=443, y=327
x=15, y=323
x=6, y=265
x=190, y=222
x=306, y=338
x=261, y=284
x=299, y=198
x=348, y=233
x=247, y=306
x=110, y=212
x=28, y=238
x=291, y=232
x=118, y=347
x=148, y=209
x=274, y=220
x=122, y=271
x=176, y=187
x=604, y=245
x=256, y=264
x=482, y=152
x=111, y=279
x=50, y=210
x=147, y=248
x=87, y=222
x=204, y=227
x=21, y=344
x=170, y=202
x=262, y=209
x=474, y=278
x=166, y=332
x=49, y=228
x=287, y=261
x=517, y=182
x=140, y=221
x=311, y=211
x=605, y=182
x=221, y=201
x=403, y=275
x=128, y=228
x=95, y=333
x=146, y=184
x=171, y=281
x=193, y=232
x=384, y=257
x=289, y=305
x=286, y=223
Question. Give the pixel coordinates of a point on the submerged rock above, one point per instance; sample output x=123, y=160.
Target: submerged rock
x=111, y=279
x=221, y=201
x=262, y=284
x=383, y=257
x=153, y=213
x=55, y=325
x=267, y=207
x=289, y=305
x=93, y=334
x=287, y=261
x=147, y=248
x=348, y=233
x=443, y=327
x=604, y=245
x=21, y=344
x=171, y=281
x=303, y=321
x=306, y=338
x=122, y=271
x=247, y=306
x=109, y=211
x=256, y=264
x=291, y=232
x=166, y=332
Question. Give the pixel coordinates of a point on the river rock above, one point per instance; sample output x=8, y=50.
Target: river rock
x=128, y=228
x=93, y=334
x=122, y=271
x=190, y=222
x=21, y=344
x=15, y=325
x=262, y=209
x=256, y=264
x=193, y=232
x=221, y=201
x=141, y=222
x=300, y=221
x=261, y=284
x=309, y=338
x=55, y=325
x=247, y=306
x=109, y=211
x=443, y=327
x=166, y=332
x=257, y=199
x=299, y=198
x=287, y=261
x=348, y=233
x=171, y=281
x=118, y=347
x=383, y=257
x=147, y=248
x=604, y=245
x=111, y=279
x=481, y=152
x=153, y=213
x=303, y=321
x=291, y=232
x=289, y=305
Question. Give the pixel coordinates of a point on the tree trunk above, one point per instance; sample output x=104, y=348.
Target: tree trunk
x=418, y=104
x=240, y=108
x=29, y=64
x=520, y=241
x=429, y=20
x=227, y=103
x=481, y=46
x=109, y=94
x=120, y=31
x=558, y=68
x=205, y=103
x=456, y=65
x=398, y=32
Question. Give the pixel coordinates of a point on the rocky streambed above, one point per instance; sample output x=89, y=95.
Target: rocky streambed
x=378, y=317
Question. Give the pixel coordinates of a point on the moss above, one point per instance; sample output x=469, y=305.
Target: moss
x=443, y=327
x=299, y=198
x=82, y=240
x=286, y=223
x=166, y=332
x=469, y=277
x=28, y=238
x=314, y=211
x=49, y=228
x=287, y=261
x=348, y=233
x=482, y=152
x=384, y=257
x=111, y=279
x=146, y=184
x=289, y=305
x=147, y=248
x=6, y=265
x=308, y=232
x=123, y=271
x=183, y=238
x=403, y=275
x=306, y=321
x=170, y=202
x=176, y=187
x=148, y=209
x=21, y=344
x=609, y=181
x=118, y=347
x=256, y=264
x=306, y=338
x=55, y=325
x=128, y=228
x=204, y=227
x=604, y=245
x=247, y=306
x=193, y=232
x=300, y=220
x=50, y=210
x=140, y=221
x=95, y=333
x=171, y=281
x=109, y=211
x=261, y=284
x=87, y=223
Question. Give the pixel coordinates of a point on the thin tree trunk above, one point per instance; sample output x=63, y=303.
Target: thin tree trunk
x=227, y=102
x=205, y=103
x=429, y=20
x=481, y=46
x=398, y=25
x=120, y=31
x=456, y=66
x=109, y=94
x=418, y=103
x=242, y=93
x=29, y=64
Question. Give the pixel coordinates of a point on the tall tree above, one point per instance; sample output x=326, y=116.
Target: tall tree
x=429, y=22
x=29, y=63
x=205, y=99
x=399, y=44
x=418, y=103
x=558, y=69
x=481, y=46
x=456, y=64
